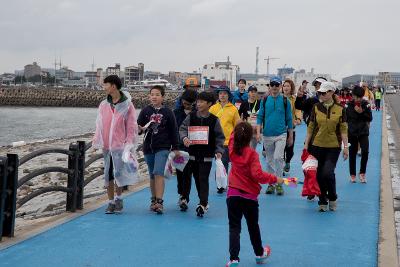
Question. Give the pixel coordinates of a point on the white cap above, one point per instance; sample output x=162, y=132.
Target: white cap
x=327, y=86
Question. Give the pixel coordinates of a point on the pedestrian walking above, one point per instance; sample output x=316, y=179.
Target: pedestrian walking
x=326, y=132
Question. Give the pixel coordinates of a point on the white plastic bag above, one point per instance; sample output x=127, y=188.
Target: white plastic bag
x=169, y=169
x=221, y=177
x=180, y=162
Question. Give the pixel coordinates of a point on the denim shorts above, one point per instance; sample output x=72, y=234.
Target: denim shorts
x=156, y=162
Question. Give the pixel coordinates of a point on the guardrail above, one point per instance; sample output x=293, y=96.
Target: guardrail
x=76, y=182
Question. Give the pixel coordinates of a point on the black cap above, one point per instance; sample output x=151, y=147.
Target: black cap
x=252, y=88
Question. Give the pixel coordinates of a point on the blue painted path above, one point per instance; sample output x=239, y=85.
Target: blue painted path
x=297, y=233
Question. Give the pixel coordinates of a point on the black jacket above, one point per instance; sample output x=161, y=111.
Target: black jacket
x=305, y=104
x=358, y=123
x=161, y=134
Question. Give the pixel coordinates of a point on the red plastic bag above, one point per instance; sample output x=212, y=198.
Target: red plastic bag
x=310, y=165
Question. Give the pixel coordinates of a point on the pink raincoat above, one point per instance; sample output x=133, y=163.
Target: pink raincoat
x=116, y=134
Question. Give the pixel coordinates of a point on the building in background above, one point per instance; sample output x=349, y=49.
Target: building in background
x=90, y=79
x=152, y=75
x=32, y=70
x=134, y=74
x=116, y=70
x=7, y=78
x=357, y=78
x=299, y=76
x=285, y=72
x=387, y=79
x=65, y=73
x=99, y=76
x=220, y=73
x=179, y=78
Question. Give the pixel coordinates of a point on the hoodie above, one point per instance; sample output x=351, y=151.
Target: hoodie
x=246, y=173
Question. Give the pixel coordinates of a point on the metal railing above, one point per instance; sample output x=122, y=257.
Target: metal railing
x=76, y=182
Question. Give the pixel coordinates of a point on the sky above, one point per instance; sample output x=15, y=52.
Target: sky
x=341, y=37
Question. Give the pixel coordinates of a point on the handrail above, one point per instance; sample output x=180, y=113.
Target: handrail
x=93, y=159
x=41, y=191
x=92, y=177
x=42, y=151
x=38, y=172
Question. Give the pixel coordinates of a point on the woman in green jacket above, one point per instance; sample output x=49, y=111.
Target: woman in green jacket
x=326, y=132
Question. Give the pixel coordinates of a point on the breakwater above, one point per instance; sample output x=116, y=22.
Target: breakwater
x=56, y=97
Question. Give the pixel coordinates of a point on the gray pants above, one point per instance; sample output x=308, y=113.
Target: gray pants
x=253, y=142
x=275, y=149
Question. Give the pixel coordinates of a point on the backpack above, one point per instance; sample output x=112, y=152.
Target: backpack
x=284, y=104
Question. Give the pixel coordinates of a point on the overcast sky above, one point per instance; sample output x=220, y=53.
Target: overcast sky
x=340, y=37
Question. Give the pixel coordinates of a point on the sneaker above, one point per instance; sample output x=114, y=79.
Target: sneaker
x=233, y=263
x=270, y=190
x=153, y=203
x=332, y=205
x=158, y=206
x=279, y=190
x=287, y=167
x=220, y=190
x=363, y=179
x=353, y=179
x=310, y=198
x=110, y=208
x=183, y=204
x=119, y=205
x=323, y=208
x=262, y=259
x=201, y=210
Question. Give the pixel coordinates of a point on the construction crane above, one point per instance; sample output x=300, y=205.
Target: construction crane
x=268, y=60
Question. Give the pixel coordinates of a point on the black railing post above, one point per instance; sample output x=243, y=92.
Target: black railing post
x=3, y=191
x=72, y=177
x=81, y=174
x=11, y=196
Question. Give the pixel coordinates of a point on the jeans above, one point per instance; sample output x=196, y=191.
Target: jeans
x=225, y=158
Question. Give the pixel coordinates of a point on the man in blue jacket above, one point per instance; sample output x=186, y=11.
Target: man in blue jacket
x=275, y=115
x=240, y=95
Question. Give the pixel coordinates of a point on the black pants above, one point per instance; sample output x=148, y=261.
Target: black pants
x=364, y=144
x=327, y=159
x=201, y=172
x=111, y=170
x=225, y=158
x=183, y=179
x=289, y=150
x=377, y=104
x=237, y=207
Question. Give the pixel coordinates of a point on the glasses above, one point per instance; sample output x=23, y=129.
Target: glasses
x=274, y=84
x=322, y=93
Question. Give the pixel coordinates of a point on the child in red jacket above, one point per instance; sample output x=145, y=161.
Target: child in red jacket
x=245, y=178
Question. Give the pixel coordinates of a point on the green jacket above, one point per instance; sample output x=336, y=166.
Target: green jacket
x=327, y=125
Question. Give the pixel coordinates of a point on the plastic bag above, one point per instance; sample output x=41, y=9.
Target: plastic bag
x=310, y=165
x=221, y=177
x=180, y=162
x=169, y=170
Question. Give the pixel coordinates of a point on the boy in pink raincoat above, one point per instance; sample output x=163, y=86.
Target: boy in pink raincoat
x=116, y=134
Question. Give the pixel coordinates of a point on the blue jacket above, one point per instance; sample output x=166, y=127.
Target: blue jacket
x=272, y=115
x=240, y=98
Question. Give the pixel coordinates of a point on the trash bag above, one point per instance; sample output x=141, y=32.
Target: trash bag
x=310, y=165
x=221, y=177
x=169, y=169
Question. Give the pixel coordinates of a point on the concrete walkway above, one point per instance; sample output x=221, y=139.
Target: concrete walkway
x=296, y=232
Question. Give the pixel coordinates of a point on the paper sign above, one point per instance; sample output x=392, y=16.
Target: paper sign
x=198, y=135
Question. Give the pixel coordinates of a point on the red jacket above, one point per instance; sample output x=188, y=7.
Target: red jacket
x=246, y=173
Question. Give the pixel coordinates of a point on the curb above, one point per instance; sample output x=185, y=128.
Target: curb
x=387, y=243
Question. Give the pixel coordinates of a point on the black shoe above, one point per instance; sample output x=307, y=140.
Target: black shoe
x=201, y=210
x=220, y=190
x=183, y=204
x=310, y=198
